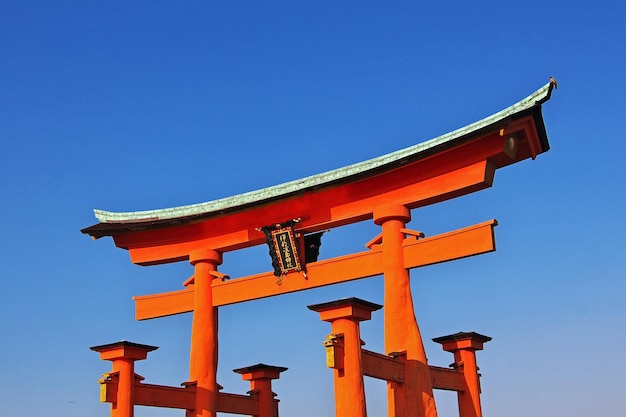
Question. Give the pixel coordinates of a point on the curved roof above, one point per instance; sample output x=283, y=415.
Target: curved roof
x=110, y=222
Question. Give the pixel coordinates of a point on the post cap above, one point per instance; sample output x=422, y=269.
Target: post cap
x=353, y=307
x=123, y=350
x=259, y=371
x=462, y=340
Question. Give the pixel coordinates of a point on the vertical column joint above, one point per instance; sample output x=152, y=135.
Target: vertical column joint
x=391, y=212
x=205, y=255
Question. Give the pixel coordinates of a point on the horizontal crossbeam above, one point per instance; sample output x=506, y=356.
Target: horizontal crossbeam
x=387, y=368
x=179, y=398
x=164, y=396
x=469, y=241
x=446, y=379
x=379, y=366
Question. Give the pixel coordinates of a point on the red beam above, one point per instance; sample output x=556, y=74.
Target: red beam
x=376, y=365
x=469, y=241
x=446, y=379
x=164, y=396
x=386, y=368
x=180, y=398
x=413, y=185
x=237, y=404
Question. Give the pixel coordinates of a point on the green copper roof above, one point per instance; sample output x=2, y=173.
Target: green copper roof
x=329, y=177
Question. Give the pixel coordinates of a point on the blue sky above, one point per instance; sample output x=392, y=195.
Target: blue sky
x=156, y=104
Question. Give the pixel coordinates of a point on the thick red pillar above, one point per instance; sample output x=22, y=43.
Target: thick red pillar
x=464, y=346
x=344, y=316
x=203, y=357
x=123, y=355
x=415, y=397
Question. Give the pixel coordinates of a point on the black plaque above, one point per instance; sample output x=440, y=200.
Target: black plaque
x=283, y=248
x=287, y=250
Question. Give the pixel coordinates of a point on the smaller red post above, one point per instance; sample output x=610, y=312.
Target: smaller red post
x=344, y=316
x=464, y=346
x=260, y=377
x=123, y=355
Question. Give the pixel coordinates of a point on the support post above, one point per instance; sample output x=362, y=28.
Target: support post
x=203, y=356
x=260, y=377
x=123, y=355
x=344, y=316
x=464, y=346
x=415, y=397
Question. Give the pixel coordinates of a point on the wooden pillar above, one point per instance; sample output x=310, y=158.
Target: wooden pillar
x=123, y=355
x=415, y=397
x=203, y=356
x=260, y=377
x=464, y=346
x=344, y=316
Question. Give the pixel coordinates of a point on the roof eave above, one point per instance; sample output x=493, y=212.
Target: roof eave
x=113, y=223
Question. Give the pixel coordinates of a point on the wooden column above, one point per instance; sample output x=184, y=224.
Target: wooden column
x=260, y=377
x=415, y=397
x=123, y=355
x=344, y=316
x=464, y=346
x=203, y=356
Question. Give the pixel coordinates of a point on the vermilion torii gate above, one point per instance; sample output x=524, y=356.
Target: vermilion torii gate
x=383, y=189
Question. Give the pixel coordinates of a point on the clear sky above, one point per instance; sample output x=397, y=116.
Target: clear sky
x=140, y=105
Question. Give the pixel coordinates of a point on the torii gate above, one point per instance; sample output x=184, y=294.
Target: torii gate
x=384, y=189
